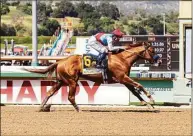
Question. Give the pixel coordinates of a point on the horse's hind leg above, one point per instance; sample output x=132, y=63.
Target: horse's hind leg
x=71, y=94
x=133, y=90
x=50, y=93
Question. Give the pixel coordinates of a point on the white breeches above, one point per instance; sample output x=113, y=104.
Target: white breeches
x=95, y=46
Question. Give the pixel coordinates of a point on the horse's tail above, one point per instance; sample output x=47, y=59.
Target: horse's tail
x=49, y=69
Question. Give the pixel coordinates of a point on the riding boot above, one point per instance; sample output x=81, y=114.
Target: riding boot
x=101, y=57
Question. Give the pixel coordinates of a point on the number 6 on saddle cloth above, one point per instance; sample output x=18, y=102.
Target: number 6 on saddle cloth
x=90, y=65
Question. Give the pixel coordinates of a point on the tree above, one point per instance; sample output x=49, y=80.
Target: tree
x=17, y=22
x=155, y=24
x=158, y=29
x=27, y=8
x=3, y=1
x=42, y=30
x=4, y=8
x=90, y=17
x=48, y=10
x=48, y=27
x=41, y=12
x=92, y=30
x=57, y=13
x=140, y=12
x=151, y=21
x=64, y=8
x=90, y=22
x=86, y=11
x=124, y=20
x=107, y=24
x=7, y=30
x=137, y=29
x=172, y=17
x=108, y=10
x=16, y=3
x=173, y=28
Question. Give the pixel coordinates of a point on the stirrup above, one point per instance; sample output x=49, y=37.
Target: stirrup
x=105, y=78
x=99, y=66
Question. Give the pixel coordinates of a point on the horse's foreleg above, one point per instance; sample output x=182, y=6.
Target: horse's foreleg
x=50, y=93
x=71, y=95
x=133, y=90
x=148, y=95
x=127, y=80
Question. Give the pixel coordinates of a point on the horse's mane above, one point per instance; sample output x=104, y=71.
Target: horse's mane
x=127, y=46
x=133, y=45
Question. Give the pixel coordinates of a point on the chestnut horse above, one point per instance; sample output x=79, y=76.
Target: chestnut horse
x=69, y=70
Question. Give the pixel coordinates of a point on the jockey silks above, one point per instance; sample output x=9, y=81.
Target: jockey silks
x=104, y=39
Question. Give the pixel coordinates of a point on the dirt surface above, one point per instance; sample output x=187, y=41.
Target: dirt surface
x=25, y=120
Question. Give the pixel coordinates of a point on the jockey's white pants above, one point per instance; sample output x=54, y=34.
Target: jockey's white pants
x=96, y=47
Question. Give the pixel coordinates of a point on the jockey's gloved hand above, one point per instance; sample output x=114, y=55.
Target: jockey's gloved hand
x=156, y=57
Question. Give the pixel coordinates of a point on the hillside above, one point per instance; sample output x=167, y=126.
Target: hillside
x=17, y=16
x=132, y=12
x=150, y=7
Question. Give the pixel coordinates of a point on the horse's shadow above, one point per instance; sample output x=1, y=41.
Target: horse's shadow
x=119, y=111
x=140, y=111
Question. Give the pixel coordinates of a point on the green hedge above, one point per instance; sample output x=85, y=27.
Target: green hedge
x=73, y=40
x=26, y=39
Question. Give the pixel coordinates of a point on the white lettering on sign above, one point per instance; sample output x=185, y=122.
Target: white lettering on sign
x=159, y=49
x=167, y=75
x=87, y=49
x=152, y=91
x=159, y=94
x=175, y=46
x=160, y=55
x=126, y=39
x=157, y=44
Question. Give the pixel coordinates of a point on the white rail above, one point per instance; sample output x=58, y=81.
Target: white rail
x=30, y=57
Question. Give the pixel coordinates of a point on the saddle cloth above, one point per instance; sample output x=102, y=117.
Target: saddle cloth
x=89, y=66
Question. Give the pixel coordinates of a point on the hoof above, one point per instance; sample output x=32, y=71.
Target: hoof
x=45, y=109
x=47, y=106
x=152, y=102
x=143, y=103
x=78, y=110
x=150, y=106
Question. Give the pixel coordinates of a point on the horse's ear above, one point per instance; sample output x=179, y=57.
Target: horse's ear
x=147, y=45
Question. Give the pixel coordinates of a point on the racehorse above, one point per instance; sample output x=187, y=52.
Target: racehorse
x=69, y=70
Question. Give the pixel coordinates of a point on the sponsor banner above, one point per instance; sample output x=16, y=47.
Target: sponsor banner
x=158, y=94
x=81, y=46
x=161, y=91
x=34, y=91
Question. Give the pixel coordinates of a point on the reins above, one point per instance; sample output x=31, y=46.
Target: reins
x=135, y=53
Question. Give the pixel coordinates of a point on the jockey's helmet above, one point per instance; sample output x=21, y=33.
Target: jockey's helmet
x=118, y=33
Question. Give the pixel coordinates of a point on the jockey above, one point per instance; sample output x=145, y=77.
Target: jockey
x=103, y=43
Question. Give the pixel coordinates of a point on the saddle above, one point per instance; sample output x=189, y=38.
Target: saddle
x=90, y=67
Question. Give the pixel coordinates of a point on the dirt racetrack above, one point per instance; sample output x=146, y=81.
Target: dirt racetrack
x=25, y=120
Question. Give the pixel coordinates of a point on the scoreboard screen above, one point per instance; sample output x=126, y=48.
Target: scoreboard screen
x=167, y=47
